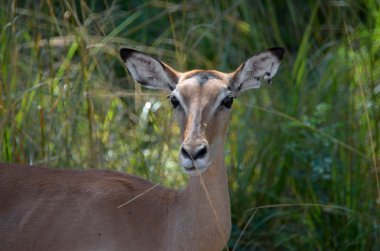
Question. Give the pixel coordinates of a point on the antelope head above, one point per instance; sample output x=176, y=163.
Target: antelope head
x=202, y=99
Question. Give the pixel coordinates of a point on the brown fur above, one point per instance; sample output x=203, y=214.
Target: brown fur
x=45, y=209
x=62, y=209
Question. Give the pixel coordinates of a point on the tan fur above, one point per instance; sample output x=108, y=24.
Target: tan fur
x=51, y=209
x=63, y=209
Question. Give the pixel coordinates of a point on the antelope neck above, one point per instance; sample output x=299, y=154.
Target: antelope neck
x=207, y=214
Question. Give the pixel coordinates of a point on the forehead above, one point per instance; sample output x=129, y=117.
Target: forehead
x=199, y=82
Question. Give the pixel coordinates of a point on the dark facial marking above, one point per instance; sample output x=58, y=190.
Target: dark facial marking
x=203, y=77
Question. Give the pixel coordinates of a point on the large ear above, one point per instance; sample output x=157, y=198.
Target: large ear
x=261, y=66
x=149, y=71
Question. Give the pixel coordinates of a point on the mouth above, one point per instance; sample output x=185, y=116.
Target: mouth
x=193, y=171
x=189, y=169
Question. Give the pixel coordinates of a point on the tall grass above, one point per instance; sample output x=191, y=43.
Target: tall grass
x=302, y=153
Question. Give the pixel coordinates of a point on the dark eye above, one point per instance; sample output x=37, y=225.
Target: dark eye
x=227, y=102
x=174, y=101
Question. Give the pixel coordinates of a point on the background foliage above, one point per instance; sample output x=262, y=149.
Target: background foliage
x=302, y=153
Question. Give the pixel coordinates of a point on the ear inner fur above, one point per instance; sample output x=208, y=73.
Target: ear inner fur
x=149, y=71
x=263, y=65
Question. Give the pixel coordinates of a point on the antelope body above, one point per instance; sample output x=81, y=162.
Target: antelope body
x=59, y=209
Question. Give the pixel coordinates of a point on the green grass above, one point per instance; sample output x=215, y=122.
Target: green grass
x=302, y=154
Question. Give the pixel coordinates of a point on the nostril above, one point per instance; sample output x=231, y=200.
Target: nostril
x=201, y=152
x=185, y=153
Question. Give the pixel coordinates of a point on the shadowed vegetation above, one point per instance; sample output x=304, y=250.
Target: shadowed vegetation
x=302, y=153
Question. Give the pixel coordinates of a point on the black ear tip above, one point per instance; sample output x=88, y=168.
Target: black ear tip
x=278, y=52
x=125, y=53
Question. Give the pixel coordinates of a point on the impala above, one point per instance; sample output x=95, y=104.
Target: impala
x=56, y=209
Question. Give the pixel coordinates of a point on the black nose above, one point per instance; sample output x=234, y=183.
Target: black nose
x=201, y=152
x=195, y=153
